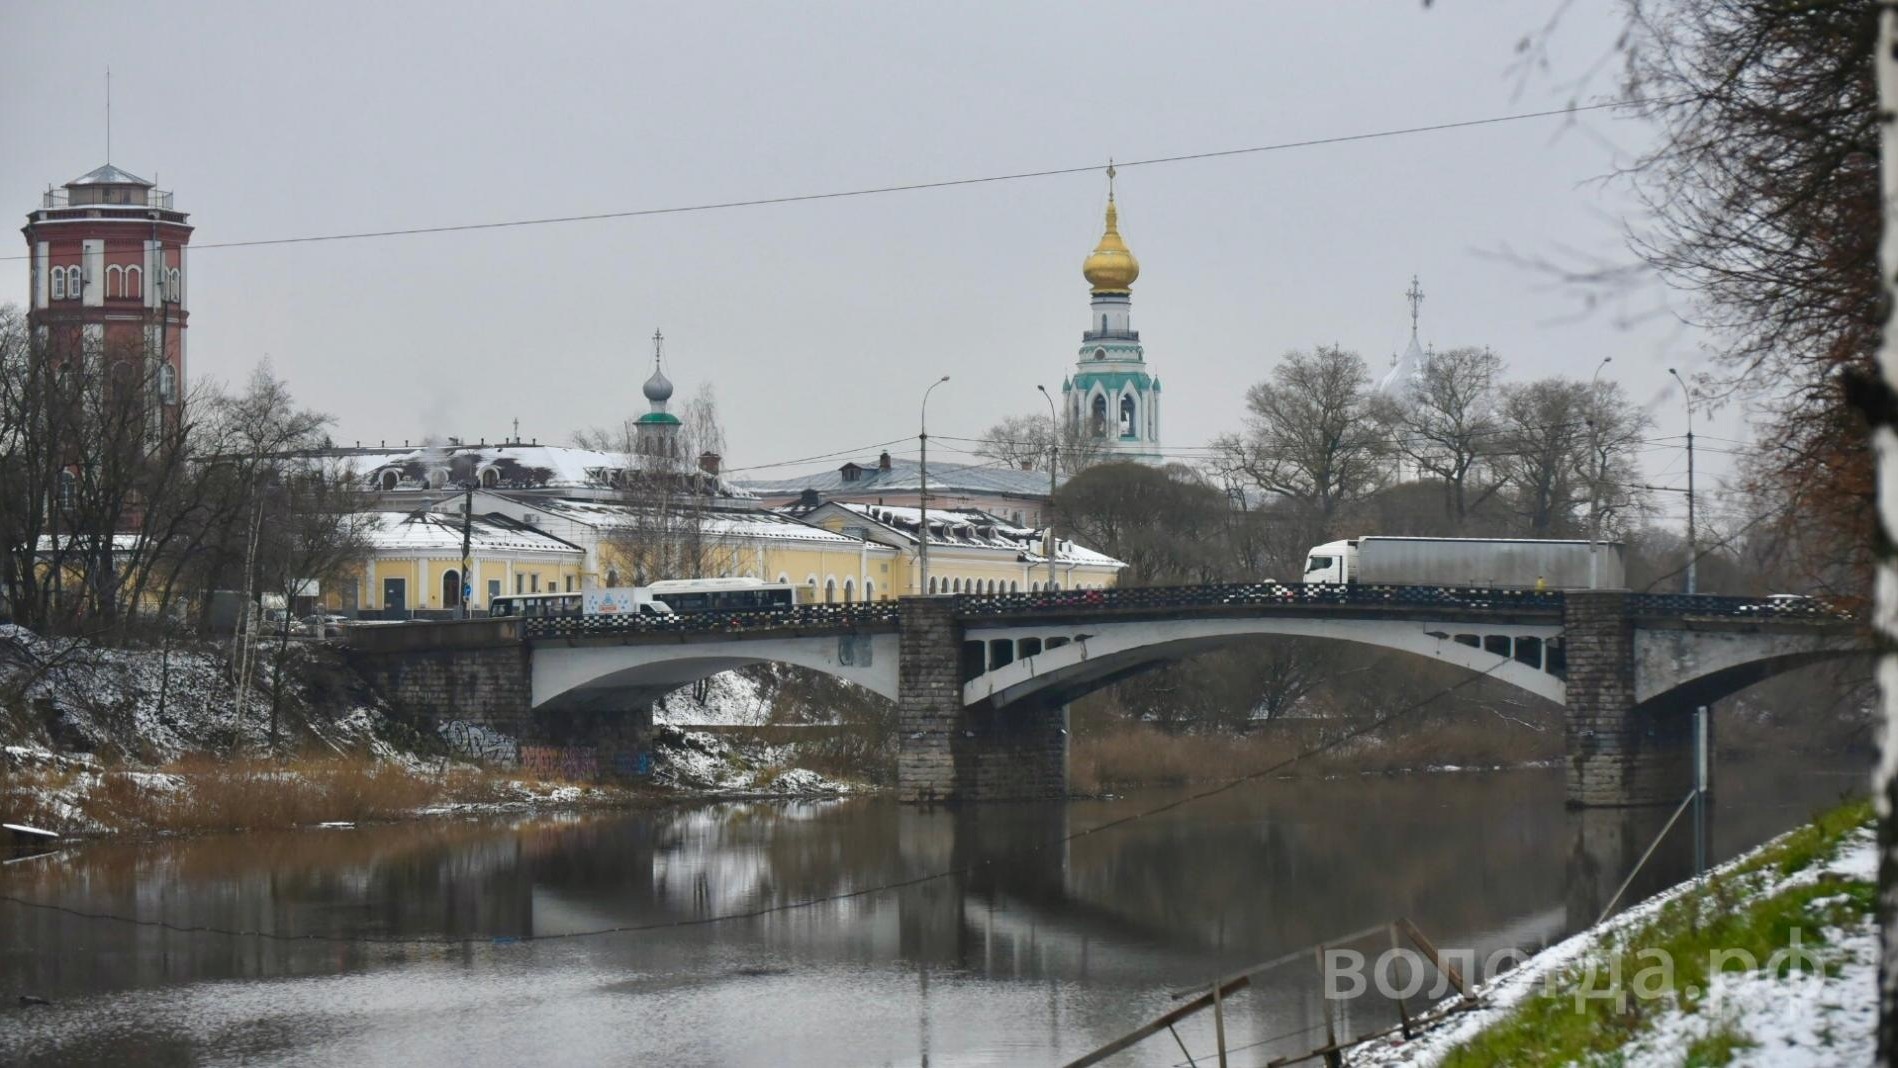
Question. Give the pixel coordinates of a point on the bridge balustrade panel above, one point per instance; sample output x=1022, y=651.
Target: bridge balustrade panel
x=1254, y=594
x=840, y=616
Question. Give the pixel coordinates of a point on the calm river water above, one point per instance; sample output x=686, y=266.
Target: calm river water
x=1047, y=951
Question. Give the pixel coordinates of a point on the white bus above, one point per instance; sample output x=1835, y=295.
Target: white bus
x=723, y=594
x=534, y=605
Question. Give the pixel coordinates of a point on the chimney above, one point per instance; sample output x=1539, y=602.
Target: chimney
x=709, y=461
x=883, y=462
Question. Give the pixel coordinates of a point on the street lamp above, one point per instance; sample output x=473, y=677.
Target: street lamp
x=922, y=435
x=1692, y=553
x=1054, y=461
x=1594, y=484
x=1702, y=737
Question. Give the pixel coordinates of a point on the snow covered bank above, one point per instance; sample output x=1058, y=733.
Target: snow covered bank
x=1770, y=961
x=714, y=765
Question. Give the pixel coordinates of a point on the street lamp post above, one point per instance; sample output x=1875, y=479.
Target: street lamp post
x=467, y=551
x=922, y=528
x=1692, y=539
x=1594, y=485
x=1054, y=461
x=1702, y=739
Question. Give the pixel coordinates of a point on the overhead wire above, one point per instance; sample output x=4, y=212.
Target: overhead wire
x=911, y=187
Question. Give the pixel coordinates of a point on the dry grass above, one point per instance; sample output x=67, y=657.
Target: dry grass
x=1124, y=754
x=201, y=794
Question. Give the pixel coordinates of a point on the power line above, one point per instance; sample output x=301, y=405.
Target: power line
x=910, y=187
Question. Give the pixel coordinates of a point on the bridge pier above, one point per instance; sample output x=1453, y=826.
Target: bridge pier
x=949, y=752
x=1620, y=753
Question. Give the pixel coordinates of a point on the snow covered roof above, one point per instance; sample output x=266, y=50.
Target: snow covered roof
x=905, y=476
x=431, y=532
x=108, y=175
x=513, y=466
x=973, y=528
x=747, y=523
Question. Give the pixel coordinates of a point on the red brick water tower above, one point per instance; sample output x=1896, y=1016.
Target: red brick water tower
x=108, y=273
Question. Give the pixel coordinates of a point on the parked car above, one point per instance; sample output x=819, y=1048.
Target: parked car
x=322, y=626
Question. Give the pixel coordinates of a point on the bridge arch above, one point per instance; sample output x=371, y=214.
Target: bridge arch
x=1071, y=660
x=598, y=675
x=1698, y=667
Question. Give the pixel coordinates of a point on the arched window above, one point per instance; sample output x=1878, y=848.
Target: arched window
x=1098, y=425
x=955, y=586
x=451, y=588
x=1129, y=427
x=114, y=281
x=59, y=283
x=135, y=282
x=869, y=590
x=850, y=591
x=612, y=577
x=390, y=478
x=783, y=579
x=167, y=383
x=830, y=591
x=491, y=477
x=68, y=489
x=932, y=585
x=173, y=294
x=1013, y=586
x=1098, y=353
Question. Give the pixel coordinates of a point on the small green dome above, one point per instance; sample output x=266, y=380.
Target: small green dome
x=658, y=418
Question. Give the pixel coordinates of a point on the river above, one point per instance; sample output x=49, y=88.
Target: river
x=1053, y=942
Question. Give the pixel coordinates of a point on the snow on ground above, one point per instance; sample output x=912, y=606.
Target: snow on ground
x=732, y=698
x=157, y=703
x=1792, y=1022
x=718, y=765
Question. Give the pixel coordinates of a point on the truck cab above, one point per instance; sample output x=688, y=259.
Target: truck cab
x=1333, y=563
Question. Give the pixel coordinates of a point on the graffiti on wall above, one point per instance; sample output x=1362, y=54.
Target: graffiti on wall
x=472, y=741
x=578, y=763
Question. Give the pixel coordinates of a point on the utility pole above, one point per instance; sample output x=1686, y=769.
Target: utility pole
x=467, y=542
x=1054, y=462
x=922, y=527
x=1594, y=484
x=1701, y=723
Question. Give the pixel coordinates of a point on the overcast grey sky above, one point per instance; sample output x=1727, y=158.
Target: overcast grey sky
x=820, y=324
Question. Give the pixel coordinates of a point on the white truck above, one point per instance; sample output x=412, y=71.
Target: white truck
x=1490, y=563
x=621, y=601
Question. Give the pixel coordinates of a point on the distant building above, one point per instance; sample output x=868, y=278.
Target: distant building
x=1110, y=397
x=970, y=551
x=108, y=273
x=1019, y=497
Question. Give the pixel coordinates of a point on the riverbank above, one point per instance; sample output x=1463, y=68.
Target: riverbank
x=1771, y=960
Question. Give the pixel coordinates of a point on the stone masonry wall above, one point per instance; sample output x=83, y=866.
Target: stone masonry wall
x=476, y=672
x=1618, y=754
x=950, y=753
x=929, y=700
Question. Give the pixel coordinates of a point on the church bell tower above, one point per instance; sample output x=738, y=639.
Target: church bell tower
x=1110, y=398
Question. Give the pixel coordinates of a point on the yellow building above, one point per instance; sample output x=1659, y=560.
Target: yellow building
x=727, y=542
x=415, y=563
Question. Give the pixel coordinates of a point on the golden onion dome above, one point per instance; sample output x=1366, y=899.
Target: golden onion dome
x=1111, y=267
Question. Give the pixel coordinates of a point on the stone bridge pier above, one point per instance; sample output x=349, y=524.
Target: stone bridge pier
x=1620, y=751
x=951, y=751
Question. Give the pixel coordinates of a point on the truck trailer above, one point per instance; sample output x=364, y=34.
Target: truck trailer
x=1488, y=563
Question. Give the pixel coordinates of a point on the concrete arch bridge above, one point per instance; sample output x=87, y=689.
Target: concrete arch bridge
x=982, y=682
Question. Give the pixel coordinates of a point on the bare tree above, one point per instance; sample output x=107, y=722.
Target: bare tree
x=673, y=523
x=1447, y=426
x=1568, y=451
x=1309, y=436
x=1027, y=443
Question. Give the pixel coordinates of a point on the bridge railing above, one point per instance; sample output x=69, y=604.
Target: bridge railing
x=857, y=614
x=1255, y=594
x=1703, y=604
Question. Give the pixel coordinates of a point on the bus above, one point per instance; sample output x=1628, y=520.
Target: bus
x=723, y=594
x=534, y=605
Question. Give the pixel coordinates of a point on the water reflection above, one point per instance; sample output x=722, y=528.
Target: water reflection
x=1048, y=940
